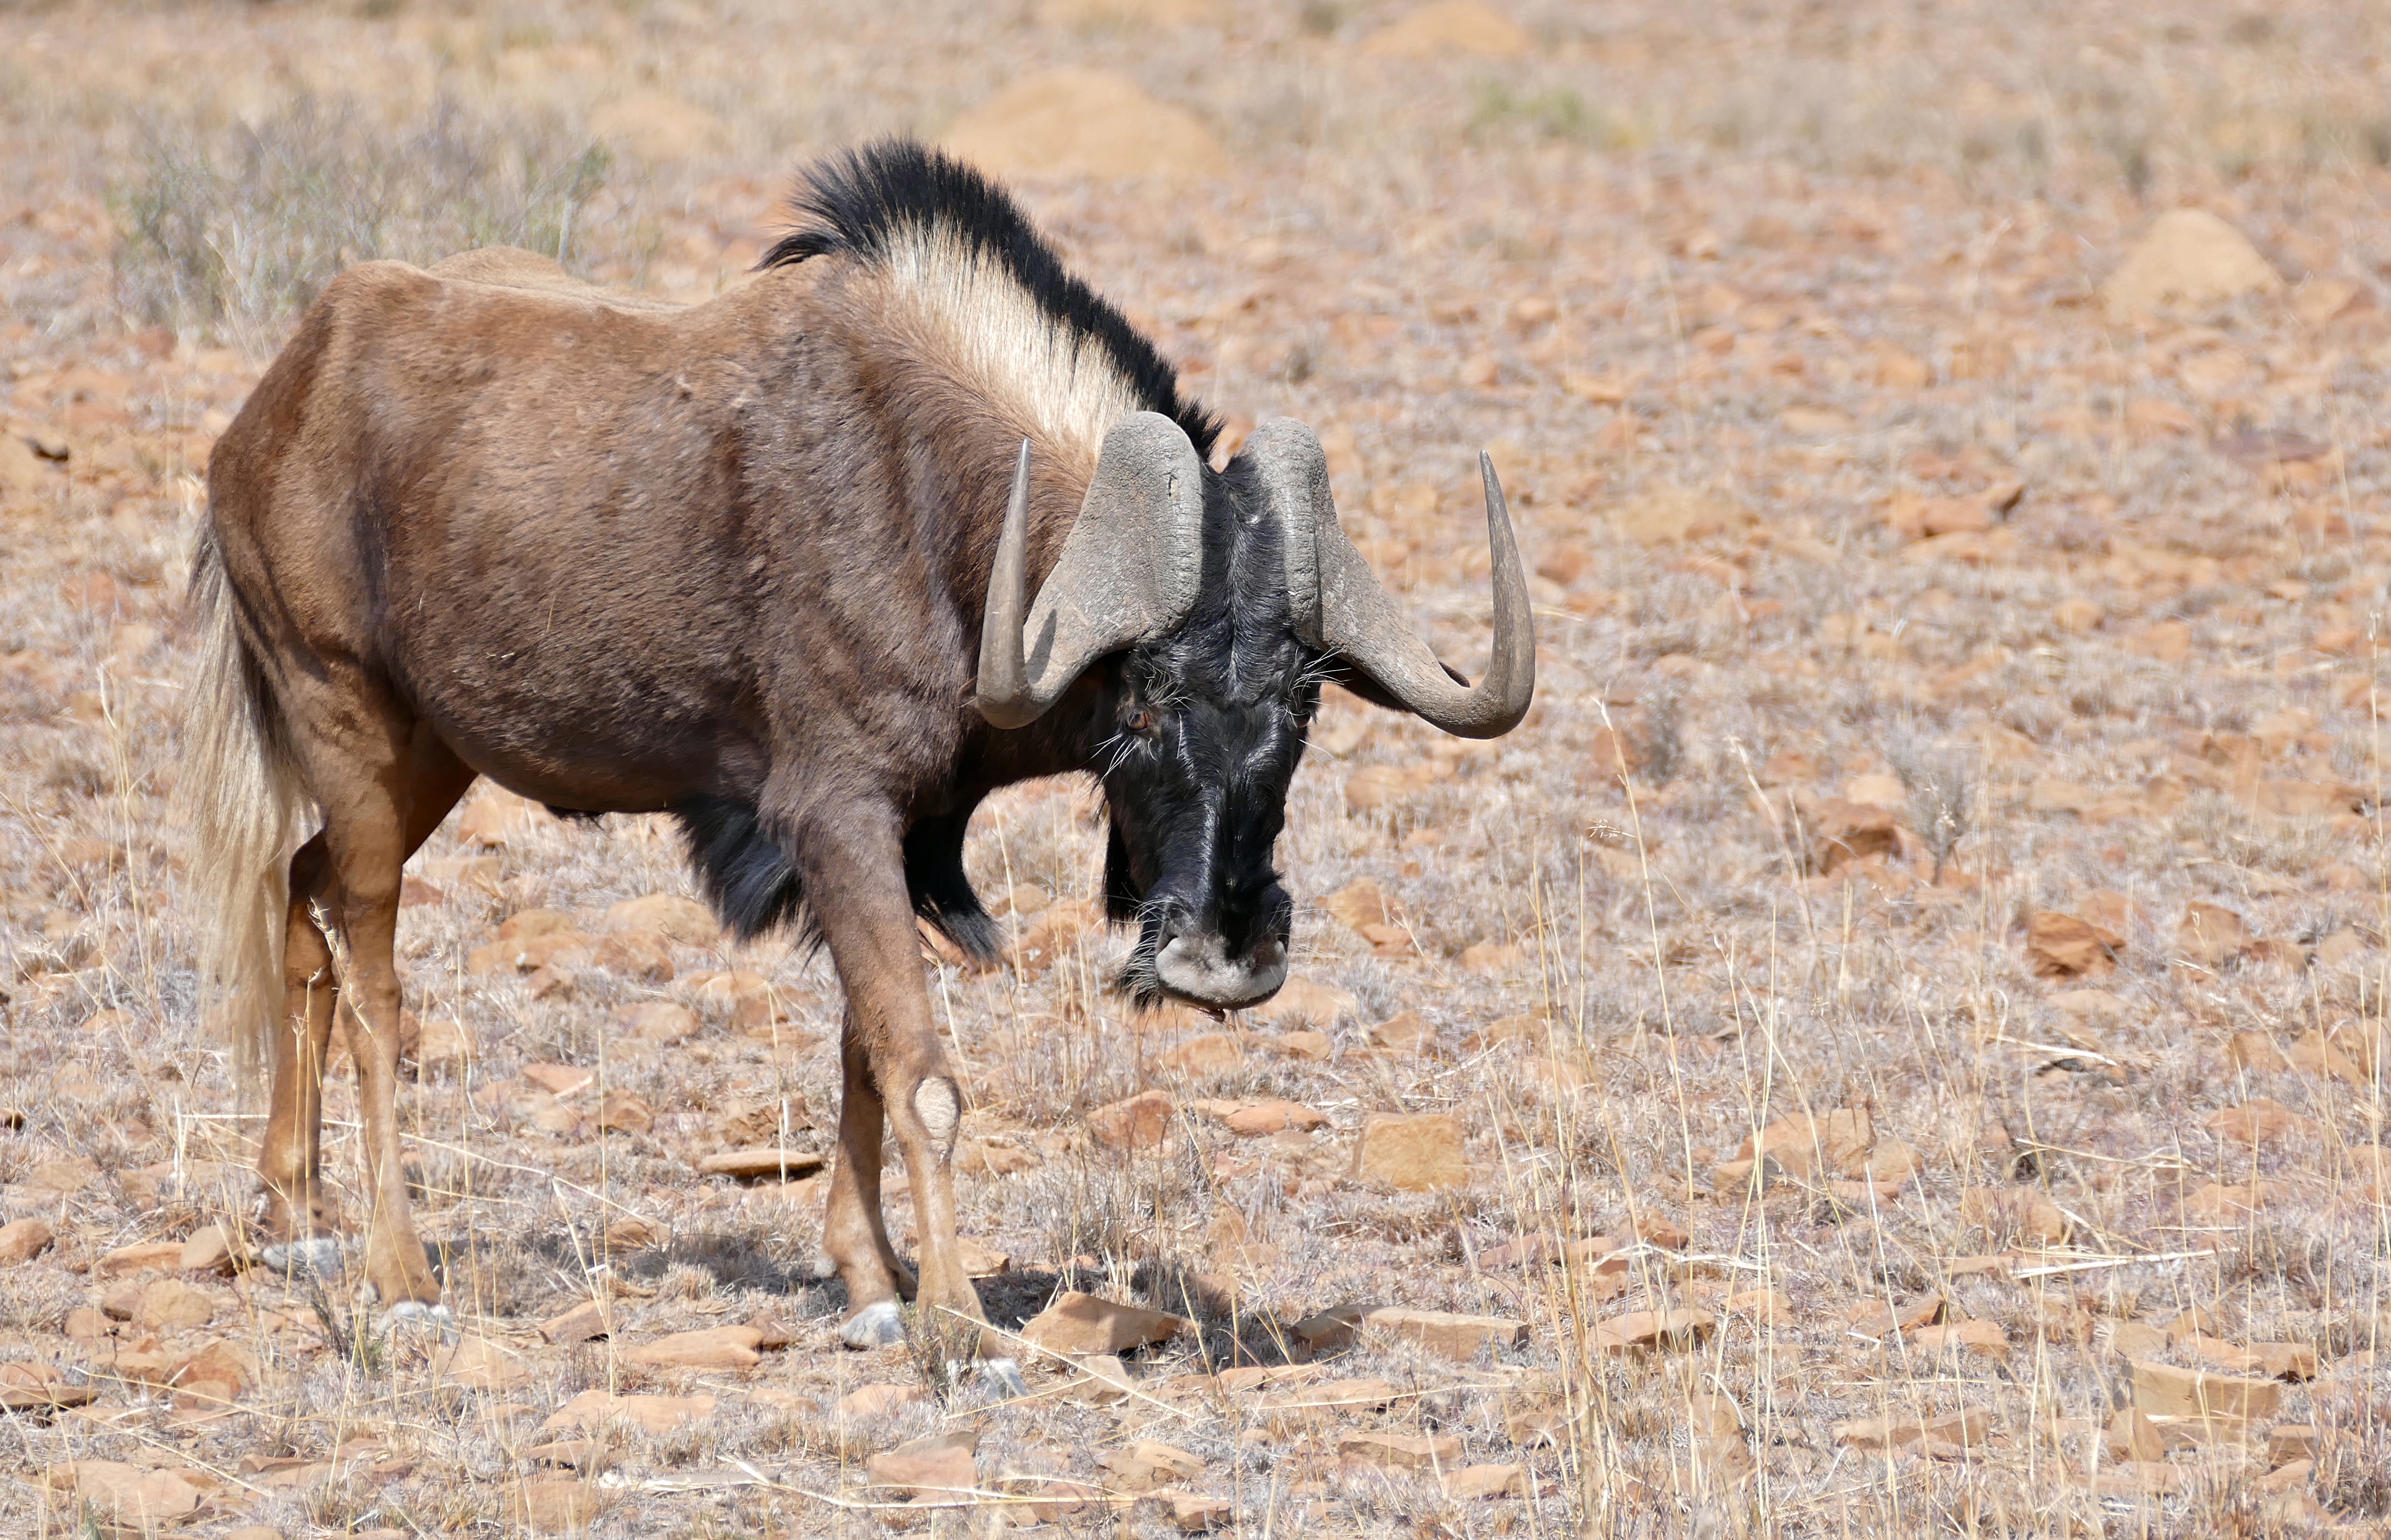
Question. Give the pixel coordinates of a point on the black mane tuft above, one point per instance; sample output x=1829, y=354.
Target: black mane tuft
x=851, y=203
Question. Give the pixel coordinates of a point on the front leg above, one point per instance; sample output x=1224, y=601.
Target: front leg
x=853, y=867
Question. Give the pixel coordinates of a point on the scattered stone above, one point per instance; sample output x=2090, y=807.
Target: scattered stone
x=1253, y=1119
x=1448, y=28
x=1983, y=1339
x=939, y=1468
x=479, y=1364
x=2063, y=946
x=1477, y=1482
x=2015, y=1214
x=622, y=1112
x=125, y=1498
x=1194, y=1513
x=1403, y=1032
x=663, y=1022
x=2210, y=934
x=24, y=1239
x=1307, y=1000
x=1412, y=1152
x=2166, y=1390
x=140, y=1257
x=761, y=1163
x=2187, y=257
x=1147, y=1463
x=592, y=1410
x=2259, y=1120
x=1077, y=1323
x=585, y=1322
x=1209, y=1054
x=171, y=1305
x=1137, y=1122
x=554, y=1505
x=645, y=955
x=715, y=1348
x=1645, y=1330
x=873, y=1401
x=1326, y=1329
x=1448, y=1336
x=1399, y=1451
x=1085, y=124
x=668, y=915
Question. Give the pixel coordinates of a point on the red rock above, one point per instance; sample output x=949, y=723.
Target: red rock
x=1412, y=1152
x=1207, y=1054
x=127, y=1260
x=478, y=1363
x=592, y=1410
x=1645, y=1329
x=1194, y=1513
x=1486, y=1481
x=554, y=1505
x=559, y=1079
x=24, y=1239
x=715, y=1348
x=621, y=1112
x=208, y=1250
x=1077, y=1323
x=762, y=1163
x=676, y=918
x=871, y=1401
x=641, y=955
x=661, y=1021
x=581, y=1324
x=2164, y=1390
x=1148, y=1464
x=1137, y=1122
x=1305, y=1000
x=1399, y=1451
x=171, y=1305
x=2061, y=946
x=122, y=1497
x=938, y=1468
x=1448, y=1336
x=1252, y=1119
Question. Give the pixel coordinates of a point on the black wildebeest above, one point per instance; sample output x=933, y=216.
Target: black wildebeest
x=764, y=564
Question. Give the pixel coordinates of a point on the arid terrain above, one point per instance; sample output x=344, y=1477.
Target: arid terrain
x=1896, y=1044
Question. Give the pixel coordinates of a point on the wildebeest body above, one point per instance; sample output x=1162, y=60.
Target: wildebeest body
x=753, y=562
x=725, y=562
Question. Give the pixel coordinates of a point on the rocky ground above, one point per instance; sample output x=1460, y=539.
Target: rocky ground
x=1895, y=1044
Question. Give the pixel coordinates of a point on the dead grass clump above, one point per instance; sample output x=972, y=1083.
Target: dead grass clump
x=234, y=232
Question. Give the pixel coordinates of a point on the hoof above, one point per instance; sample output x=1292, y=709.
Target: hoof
x=1002, y=1376
x=316, y=1257
x=875, y=1325
x=414, y=1313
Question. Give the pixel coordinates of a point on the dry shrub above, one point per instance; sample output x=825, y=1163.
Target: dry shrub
x=234, y=231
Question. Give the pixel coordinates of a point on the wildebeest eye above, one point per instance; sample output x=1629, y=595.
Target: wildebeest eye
x=1138, y=718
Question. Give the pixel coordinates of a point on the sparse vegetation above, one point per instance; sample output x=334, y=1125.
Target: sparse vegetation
x=1757, y=307
x=235, y=231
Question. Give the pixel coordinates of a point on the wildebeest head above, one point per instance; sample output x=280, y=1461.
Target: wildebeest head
x=1214, y=607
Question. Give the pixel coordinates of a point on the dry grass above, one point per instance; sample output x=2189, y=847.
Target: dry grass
x=1721, y=288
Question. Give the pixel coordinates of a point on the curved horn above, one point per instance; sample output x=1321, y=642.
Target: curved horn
x=1129, y=570
x=1340, y=607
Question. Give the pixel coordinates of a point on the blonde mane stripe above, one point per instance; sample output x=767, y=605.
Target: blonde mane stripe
x=992, y=332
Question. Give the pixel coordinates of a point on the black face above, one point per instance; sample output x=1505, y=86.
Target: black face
x=1197, y=738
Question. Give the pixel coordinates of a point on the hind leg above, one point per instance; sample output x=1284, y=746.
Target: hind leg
x=297, y=1217
x=383, y=795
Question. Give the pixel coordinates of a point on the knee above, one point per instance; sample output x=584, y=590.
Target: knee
x=940, y=1107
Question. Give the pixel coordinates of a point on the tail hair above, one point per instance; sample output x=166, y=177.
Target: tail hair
x=243, y=801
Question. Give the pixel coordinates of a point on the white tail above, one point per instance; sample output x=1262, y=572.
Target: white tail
x=242, y=801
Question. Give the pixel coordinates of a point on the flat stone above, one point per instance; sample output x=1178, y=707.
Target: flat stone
x=1412, y=1152
x=554, y=1506
x=559, y=1079
x=171, y=1305
x=937, y=1469
x=761, y=1162
x=1148, y=1464
x=478, y=1363
x=1077, y=1323
x=2164, y=1390
x=581, y=1324
x=1644, y=1330
x=715, y=1348
x=125, y=1261
x=1137, y=1122
x=592, y=1410
x=123, y=1497
x=209, y=1250
x=1194, y=1513
x=1447, y=1334
x=1399, y=1451
x=1486, y=1481
x=24, y=1239
x=871, y=1401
